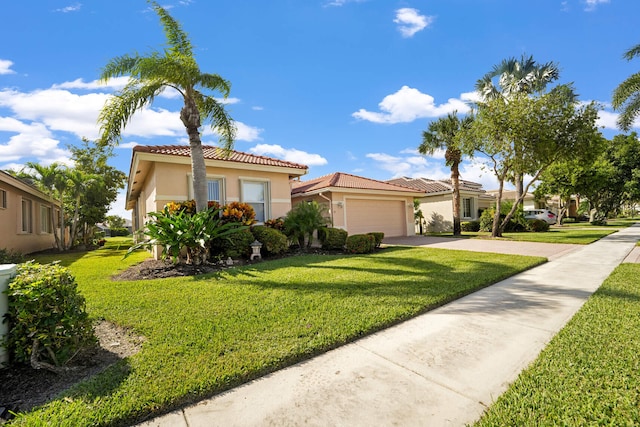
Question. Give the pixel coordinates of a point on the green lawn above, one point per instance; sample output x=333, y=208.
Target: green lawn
x=208, y=333
x=588, y=374
x=580, y=236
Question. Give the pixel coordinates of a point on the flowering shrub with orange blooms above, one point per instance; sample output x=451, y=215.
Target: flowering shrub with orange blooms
x=213, y=204
x=239, y=212
x=276, y=223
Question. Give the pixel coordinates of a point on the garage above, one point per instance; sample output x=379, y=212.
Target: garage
x=366, y=215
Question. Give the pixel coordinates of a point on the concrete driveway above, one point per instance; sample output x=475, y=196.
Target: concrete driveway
x=550, y=251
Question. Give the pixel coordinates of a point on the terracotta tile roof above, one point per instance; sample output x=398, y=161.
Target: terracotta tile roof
x=217, y=153
x=348, y=181
x=436, y=186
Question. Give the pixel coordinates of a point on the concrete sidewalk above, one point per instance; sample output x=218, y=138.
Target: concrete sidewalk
x=442, y=368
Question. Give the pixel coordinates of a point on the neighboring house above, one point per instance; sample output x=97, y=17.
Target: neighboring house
x=26, y=216
x=529, y=201
x=162, y=174
x=436, y=202
x=361, y=205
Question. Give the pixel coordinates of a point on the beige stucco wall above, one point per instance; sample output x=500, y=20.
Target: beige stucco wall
x=438, y=210
x=169, y=182
x=11, y=235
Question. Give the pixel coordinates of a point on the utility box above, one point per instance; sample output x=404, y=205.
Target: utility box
x=7, y=272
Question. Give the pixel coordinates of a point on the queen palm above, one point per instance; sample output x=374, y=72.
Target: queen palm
x=516, y=77
x=174, y=67
x=441, y=135
x=626, y=97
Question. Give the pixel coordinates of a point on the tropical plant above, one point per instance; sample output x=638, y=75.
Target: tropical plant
x=303, y=220
x=173, y=68
x=626, y=97
x=239, y=212
x=441, y=134
x=174, y=232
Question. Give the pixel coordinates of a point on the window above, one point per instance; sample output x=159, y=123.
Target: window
x=27, y=216
x=214, y=190
x=3, y=199
x=466, y=208
x=256, y=194
x=45, y=219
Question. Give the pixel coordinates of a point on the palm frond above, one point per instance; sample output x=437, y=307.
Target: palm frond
x=119, y=66
x=119, y=109
x=632, y=53
x=215, y=83
x=630, y=112
x=221, y=122
x=179, y=42
x=625, y=89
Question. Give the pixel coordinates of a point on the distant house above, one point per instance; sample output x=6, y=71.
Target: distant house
x=162, y=174
x=361, y=205
x=529, y=201
x=436, y=202
x=26, y=216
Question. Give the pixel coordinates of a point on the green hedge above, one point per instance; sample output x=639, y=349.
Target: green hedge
x=332, y=238
x=236, y=245
x=470, y=226
x=274, y=242
x=46, y=314
x=538, y=225
x=378, y=236
x=360, y=243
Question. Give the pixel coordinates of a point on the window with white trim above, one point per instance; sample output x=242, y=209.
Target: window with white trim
x=215, y=189
x=45, y=219
x=467, y=204
x=3, y=199
x=27, y=215
x=256, y=194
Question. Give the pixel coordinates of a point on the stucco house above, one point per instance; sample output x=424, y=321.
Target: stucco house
x=361, y=205
x=26, y=216
x=436, y=202
x=162, y=173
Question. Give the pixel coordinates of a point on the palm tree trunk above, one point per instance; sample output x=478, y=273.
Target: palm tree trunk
x=63, y=227
x=455, y=181
x=496, y=230
x=190, y=116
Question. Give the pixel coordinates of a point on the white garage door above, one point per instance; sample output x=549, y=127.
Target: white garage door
x=365, y=216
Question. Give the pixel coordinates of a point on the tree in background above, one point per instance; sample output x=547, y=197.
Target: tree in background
x=516, y=77
x=174, y=67
x=548, y=128
x=626, y=97
x=441, y=135
x=100, y=186
x=115, y=221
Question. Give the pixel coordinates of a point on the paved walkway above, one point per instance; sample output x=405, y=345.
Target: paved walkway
x=442, y=368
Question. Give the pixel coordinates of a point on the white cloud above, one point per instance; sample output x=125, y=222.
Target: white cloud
x=289, y=154
x=71, y=8
x=31, y=140
x=257, y=108
x=591, y=5
x=115, y=83
x=409, y=104
x=410, y=21
x=607, y=119
x=117, y=207
x=128, y=145
x=5, y=67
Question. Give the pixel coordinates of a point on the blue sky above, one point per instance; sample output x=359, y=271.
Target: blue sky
x=340, y=85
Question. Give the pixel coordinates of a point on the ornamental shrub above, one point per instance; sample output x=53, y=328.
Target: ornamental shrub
x=303, y=220
x=378, y=236
x=470, y=226
x=236, y=245
x=360, y=243
x=277, y=223
x=274, y=242
x=120, y=231
x=332, y=238
x=46, y=314
x=538, y=225
x=242, y=213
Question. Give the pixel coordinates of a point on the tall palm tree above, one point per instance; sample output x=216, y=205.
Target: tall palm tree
x=174, y=67
x=626, y=97
x=517, y=77
x=441, y=134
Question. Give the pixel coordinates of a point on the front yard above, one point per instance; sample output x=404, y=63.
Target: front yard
x=206, y=334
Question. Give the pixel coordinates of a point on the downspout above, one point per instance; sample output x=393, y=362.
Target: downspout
x=330, y=206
